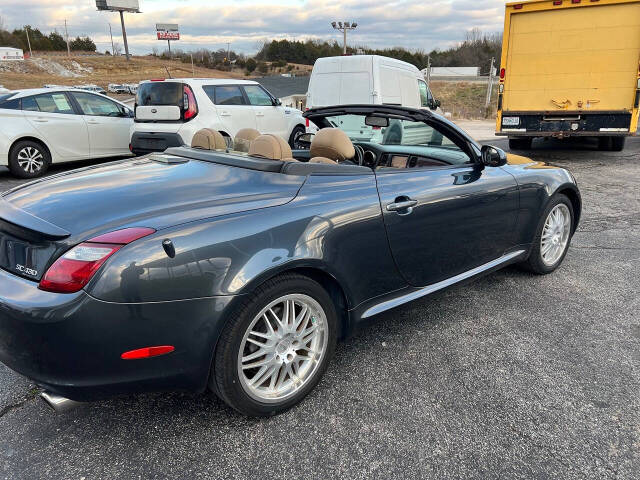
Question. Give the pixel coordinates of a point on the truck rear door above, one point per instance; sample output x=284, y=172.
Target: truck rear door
x=572, y=57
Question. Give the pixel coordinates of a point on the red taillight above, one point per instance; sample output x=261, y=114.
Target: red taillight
x=306, y=119
x=190, y=107
x=518, y=6
x=557, y=2
x=147, y=352
x=72, y=271
x=503, y=72
x=576, y=1
x=124, y=236
x=157, y=79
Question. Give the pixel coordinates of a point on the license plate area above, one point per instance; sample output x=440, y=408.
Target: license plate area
x=510, y=121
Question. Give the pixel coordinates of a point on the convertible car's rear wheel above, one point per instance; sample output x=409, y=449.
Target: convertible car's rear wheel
x=274, y=351
x=553, y=236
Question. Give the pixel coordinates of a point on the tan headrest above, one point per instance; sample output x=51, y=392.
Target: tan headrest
x=332, y=143
x=322, y=160
x=243, y=139
x=270, y=146
x=208, y=139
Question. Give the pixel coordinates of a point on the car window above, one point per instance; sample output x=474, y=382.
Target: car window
x=157, y=93
x=98, y=106
x=227, y=95
x=257, y=96
x=9, y=103
x=413, y=139
x=425, y=94
x=48, y=103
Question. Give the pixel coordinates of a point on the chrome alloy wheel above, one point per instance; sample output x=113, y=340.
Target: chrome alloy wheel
x=555, y=234
x=282, y=348
x=30, y=159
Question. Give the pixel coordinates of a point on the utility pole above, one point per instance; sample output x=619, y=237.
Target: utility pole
x=26, y=29
x=124, y=35
x=228, y=52
x=66, y=34
x=428, y=79
x=344, y=27
x=169, y=45
x=113, y=49
x=487, y=103
x=193, y=70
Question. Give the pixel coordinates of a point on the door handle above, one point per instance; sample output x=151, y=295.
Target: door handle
x=40, y=120
x=402, y=205
x=225, y=114
x=259, y=114
x=93, y=122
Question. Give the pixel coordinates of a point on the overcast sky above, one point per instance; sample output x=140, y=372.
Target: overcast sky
x=414, y=24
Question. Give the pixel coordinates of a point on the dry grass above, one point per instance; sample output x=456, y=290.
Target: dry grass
x=106, y=70
x=465, y=99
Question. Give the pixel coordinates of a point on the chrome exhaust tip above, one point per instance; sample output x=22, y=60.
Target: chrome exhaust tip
x=57, y=403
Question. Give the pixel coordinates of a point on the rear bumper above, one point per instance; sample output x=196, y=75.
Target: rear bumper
x=148, y=142
x=567, y=124
x=71, y=344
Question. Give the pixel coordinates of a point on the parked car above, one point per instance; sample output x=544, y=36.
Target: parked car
x=92, y=88
x=169, y=112
x=367, y=79
x=132, y=88
x=197, y=268
x=39, y=127
x=117, y=88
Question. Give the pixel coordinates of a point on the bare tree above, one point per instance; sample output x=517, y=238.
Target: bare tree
x=117, y=49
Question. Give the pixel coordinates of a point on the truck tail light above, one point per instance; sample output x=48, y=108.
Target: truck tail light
x=576, y=1
x=73, y=270
x=557, y=2
x=518, y=6
x=190, y=106
x=503, y=72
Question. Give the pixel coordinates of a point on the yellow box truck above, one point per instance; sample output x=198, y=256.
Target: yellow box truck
x=570, y=68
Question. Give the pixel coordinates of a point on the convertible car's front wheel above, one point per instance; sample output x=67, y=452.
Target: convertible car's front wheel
x=553, y=236
x=277, y=346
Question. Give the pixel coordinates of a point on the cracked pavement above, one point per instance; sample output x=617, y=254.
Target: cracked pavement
x=512, y=376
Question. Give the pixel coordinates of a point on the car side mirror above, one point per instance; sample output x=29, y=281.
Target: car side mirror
x=433, y=104
x=276, y=102
x=493, y=156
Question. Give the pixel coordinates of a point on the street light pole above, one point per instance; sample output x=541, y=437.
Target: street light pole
x=26, y=29
x=344, y=27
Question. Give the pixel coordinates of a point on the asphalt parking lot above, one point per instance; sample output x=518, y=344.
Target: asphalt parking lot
x=512, y=376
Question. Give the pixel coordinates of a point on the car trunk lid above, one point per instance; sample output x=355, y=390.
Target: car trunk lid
x=39, y=221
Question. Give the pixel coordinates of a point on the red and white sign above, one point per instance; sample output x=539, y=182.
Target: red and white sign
x=164, y=35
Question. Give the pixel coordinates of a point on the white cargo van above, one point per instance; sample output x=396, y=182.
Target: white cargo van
x=368, y=79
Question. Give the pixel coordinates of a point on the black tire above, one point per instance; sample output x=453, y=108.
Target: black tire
x=535, y=262
x=297, y=131
x=225, y=380
x=30, y=148
x=520, y=143
x=617, y=143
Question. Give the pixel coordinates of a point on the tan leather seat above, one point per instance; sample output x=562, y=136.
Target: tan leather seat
x=332, y=144
x=322, y=160
x=272, y=147
x=243, y=139
x=208, y=139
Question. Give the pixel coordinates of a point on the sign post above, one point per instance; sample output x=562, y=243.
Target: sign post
x=120, y=6
x=168, y=32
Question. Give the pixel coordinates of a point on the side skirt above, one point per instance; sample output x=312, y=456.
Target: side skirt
x=402, y=299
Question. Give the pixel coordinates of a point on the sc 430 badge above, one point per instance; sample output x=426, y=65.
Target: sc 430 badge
x=28, y=271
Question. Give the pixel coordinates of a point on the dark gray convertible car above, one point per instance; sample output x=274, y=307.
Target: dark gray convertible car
x=238, y=271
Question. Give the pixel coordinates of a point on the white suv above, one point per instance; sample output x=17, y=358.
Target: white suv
x=169, y=112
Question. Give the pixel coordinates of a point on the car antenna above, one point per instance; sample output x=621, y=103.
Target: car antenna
x=167, y=69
